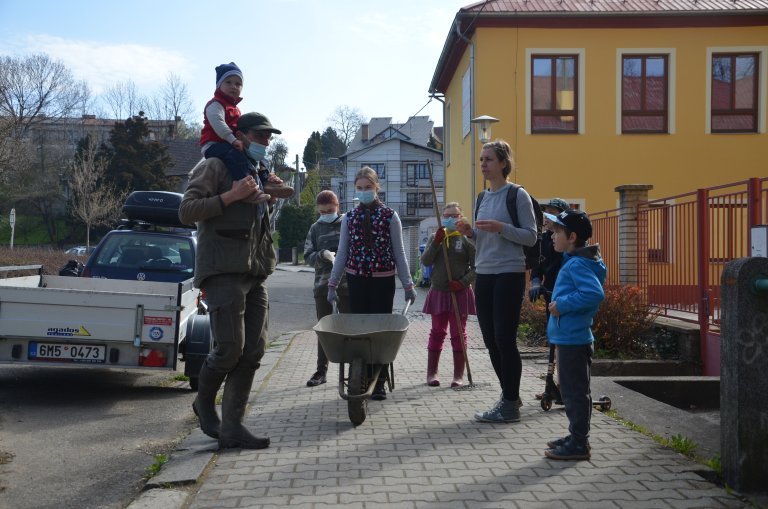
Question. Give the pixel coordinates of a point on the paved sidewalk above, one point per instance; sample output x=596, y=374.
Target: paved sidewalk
x=421, y=448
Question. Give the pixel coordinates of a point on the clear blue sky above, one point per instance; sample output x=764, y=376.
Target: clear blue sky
x=300, y=58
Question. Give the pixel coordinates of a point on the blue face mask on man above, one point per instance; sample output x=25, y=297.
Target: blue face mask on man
x=257, y=152
x=449, y=223
x=365, y=197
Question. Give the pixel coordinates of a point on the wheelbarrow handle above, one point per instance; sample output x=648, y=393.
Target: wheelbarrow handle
x=336, y=306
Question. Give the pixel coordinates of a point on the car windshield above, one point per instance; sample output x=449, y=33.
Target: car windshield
x=146, y=252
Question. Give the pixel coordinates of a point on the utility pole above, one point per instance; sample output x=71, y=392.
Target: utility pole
x=298, y=182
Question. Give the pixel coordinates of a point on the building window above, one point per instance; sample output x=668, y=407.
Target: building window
x=644, y=94
x=734, y=92
x=379, y=168
x=411, y=203
x=554, y=93
x=425, y=201
x=415, y=172
x=382, y=197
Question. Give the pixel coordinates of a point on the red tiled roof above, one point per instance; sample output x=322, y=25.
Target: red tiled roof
x=614, y=6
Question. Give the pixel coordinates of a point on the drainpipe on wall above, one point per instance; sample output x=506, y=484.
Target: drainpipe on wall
x=473, y=189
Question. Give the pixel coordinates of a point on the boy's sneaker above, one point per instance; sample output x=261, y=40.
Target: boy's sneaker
x=503, y=411
x=569, y=450
x=554, y=444
x=278, y=190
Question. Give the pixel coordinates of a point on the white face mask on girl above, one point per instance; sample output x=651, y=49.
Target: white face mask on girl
x=328, y=218
x=365, y=197
x=449, y=223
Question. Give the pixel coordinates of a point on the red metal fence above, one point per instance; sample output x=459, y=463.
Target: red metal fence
x=683, y=243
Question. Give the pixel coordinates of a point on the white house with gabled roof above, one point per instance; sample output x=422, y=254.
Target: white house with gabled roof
x=399, y=154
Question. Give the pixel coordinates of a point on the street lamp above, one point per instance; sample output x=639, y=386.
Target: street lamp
x=484, y=122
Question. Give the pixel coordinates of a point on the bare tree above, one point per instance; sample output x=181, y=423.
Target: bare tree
x=172, y=102
x=36, y=93
x=123, y=99
x=94, y=202
x=34, y=89
x=346, y=120
x=35, y=182
x=176, y=98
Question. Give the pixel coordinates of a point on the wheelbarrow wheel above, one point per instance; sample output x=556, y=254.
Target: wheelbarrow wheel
x=358, y=384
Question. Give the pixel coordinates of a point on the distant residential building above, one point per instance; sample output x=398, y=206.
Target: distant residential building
x=69, y=131
x=64, y=135
x=399, y=154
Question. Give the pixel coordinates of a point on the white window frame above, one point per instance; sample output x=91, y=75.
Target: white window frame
x=762, y=77
x=671, y=83
x=582, y=105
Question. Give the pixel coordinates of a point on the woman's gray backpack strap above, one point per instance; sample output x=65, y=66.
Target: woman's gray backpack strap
x=532, y=253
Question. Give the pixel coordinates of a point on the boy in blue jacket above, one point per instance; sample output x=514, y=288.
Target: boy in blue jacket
x=577, y=295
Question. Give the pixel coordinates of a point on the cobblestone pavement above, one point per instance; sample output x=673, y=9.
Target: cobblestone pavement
x=421, y=448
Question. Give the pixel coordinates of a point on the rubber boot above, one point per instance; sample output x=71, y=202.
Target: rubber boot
x=204, y=405
x=233, y=433
x=433, y=358
x=458, y=369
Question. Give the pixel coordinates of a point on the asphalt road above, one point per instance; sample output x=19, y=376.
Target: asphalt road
x=80, y=438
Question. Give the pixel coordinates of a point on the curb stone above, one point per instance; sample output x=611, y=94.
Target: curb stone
x=193, y=455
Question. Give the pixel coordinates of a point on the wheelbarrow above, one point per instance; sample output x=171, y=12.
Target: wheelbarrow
x=368, y=343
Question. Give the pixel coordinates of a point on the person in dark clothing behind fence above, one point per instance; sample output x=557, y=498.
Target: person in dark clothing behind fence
x=544, y=274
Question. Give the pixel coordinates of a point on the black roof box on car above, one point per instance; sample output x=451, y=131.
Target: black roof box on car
x=159, y=208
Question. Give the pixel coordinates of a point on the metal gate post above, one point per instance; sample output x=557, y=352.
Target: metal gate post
x=708, y=356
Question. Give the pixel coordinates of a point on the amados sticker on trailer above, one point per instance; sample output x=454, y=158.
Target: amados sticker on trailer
x=158, y=320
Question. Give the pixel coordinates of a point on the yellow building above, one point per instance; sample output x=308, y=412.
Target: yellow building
x=596, y=94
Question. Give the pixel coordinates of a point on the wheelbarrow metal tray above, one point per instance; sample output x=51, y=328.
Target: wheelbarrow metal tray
x=376, y=338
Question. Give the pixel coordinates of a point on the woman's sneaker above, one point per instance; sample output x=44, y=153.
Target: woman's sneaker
x=569, y=450
x=503, y=411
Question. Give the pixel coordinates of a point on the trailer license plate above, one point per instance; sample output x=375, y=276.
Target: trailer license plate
x=61, y=352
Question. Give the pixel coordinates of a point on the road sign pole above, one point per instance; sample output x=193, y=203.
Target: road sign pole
x=13, y=225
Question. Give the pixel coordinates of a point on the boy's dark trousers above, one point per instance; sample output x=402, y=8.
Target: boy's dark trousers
x=235, y=161
x=574, y=363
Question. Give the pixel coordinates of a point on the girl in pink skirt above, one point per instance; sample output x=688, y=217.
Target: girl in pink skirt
x=439, y=304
